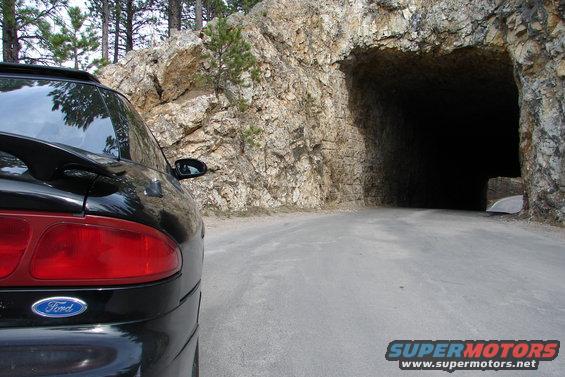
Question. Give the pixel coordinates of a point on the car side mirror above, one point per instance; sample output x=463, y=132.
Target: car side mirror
x=189, y=168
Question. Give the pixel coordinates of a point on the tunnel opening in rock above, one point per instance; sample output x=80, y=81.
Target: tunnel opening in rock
x=435, y=127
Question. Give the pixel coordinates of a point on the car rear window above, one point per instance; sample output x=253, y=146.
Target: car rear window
x=79, y=115
x=135, y=141
x=61, y=112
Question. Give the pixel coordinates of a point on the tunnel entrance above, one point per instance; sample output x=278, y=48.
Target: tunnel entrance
x=436, y=128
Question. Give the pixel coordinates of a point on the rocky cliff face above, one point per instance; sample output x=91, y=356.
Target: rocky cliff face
x=388, y=102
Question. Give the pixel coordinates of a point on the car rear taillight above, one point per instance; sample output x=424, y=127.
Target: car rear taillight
x=65, y=250
x=14, y=238
x=79, y=251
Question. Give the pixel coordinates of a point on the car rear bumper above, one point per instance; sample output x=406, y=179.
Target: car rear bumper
x=163, y=346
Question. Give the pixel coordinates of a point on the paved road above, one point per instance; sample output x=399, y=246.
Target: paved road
x=323, y=294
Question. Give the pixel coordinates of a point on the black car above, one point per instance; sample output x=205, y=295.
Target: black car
x=101, y=248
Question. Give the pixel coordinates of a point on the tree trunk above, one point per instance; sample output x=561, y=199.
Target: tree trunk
x=10, y=42
x=105, y=28
x=117, y=20
x=75, y=48
x=211, y=7
x=129, y=25
x=174, y=15
x=198, y=13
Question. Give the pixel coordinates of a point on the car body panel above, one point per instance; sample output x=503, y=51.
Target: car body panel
x=20, y=191
x=105, y=304
x=156, y=347
x=174, y=212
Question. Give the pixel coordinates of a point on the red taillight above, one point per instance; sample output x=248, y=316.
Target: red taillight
x=14, y=238
x=43, y=249
x=78, y=251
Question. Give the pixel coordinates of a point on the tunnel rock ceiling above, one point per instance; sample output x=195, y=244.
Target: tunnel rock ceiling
x=409, y=103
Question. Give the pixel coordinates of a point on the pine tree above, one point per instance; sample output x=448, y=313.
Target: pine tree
x=192, y=14
x=105, y=15
x=117, y=18
x=230, y=55
x=127, y=21
x=73, y=41
x=23, y=25
x=215, y=8
x=174, y=15
x=242, y=5
x=101, y=12
x=138, y=14
x=10, y=43
x=198, y=15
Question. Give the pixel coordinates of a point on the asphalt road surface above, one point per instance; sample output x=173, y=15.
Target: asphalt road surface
x=323, y=294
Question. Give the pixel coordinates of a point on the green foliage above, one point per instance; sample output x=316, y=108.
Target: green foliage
x=141, y=14
x=28, y=13
x=217, y=8
x=230, y=55
x=8, y=16
x=202, y=81
x=242, y=105
x=98, y=64
x=242, y=5
x=27, y=21
x=40, y=31
x=73, y=40
x=223, y=8
x=249, y=137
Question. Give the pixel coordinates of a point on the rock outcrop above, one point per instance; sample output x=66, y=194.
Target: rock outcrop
x=344, y=83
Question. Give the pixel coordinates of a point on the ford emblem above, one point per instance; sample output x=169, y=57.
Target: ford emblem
x=59, y=307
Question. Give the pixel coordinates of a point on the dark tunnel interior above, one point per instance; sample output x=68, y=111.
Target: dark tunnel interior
x=436, y=128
